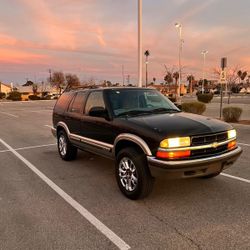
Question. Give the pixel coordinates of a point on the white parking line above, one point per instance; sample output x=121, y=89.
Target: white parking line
x=77, y=206
x=5, y=113
x=29, y=147
x=244, y=144
x=236, y=178
x=49, y=126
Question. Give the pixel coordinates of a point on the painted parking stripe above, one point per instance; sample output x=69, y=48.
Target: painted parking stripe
x=236, y=178
x=77, y=206
x=244, y=144
x=49, y=126
x=29, y=147
x=9, y=114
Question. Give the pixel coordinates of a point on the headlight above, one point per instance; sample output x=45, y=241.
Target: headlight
x=231, y=134
x=175, y=142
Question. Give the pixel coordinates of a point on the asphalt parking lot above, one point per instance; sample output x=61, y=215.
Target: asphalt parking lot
x=46, y=203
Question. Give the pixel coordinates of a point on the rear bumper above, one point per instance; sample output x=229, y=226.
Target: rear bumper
x=192, y=168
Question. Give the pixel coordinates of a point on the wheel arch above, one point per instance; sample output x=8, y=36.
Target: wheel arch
x=62, y=126
x=130, y=140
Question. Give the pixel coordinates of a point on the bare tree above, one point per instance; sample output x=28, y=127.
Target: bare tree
x=71, y=81
x=58, y=80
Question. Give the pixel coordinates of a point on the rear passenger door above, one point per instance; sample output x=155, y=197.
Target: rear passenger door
x=75, y=113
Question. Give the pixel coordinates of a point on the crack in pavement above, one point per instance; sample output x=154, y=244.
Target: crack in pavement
x=172, y=227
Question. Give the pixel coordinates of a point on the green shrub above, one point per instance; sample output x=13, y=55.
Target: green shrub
x=193, y=107
x=2, y=95
x=231, y=114
x=34, y=97
x=15, y=96
x=206, y=98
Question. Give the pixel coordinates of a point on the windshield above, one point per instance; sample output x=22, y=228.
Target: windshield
x=129, y=102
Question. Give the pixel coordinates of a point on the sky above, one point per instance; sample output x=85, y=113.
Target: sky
x=94, y=38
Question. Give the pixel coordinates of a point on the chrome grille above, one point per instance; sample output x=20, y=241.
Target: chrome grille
x=208, y=139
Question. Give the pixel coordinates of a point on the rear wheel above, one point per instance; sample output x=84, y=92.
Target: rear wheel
x=132, y=174
x=66, y=150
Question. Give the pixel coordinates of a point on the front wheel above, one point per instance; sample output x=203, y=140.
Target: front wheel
x=132, y=174
x=66, y=150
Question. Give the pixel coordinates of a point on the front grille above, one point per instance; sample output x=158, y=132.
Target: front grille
x=209, y=139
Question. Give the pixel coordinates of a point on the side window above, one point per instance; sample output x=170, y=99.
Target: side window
x=95, y=100
x=77, y=104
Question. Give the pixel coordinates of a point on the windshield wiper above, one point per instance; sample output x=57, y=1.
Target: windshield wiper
x=165, y=110
x=134, y=112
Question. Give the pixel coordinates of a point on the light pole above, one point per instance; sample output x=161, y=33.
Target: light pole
x=204, y=52
x=140, y=43
x=147, y=54
x=179, y=27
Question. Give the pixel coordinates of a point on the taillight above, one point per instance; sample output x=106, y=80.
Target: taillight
x=173, y=154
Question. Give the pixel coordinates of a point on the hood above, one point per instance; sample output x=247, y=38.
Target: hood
x=179, y=124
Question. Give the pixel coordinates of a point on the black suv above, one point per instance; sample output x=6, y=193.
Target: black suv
x=146, y=135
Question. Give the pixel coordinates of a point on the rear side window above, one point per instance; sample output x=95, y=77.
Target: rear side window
x=95, y=99
x=63, y=102
x=77, y=104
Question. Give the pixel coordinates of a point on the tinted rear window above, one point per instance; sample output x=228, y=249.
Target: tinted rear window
x=77, y=104
x=63, y=102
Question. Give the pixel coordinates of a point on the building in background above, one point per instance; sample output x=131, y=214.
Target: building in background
x=4, y=88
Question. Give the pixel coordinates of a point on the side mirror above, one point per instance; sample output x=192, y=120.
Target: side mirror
x=98, y=112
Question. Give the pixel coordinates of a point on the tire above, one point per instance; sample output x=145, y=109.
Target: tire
x=210, y=175
x=66, y=150
x=132, y=174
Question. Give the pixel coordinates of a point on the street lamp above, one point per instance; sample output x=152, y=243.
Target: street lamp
x=147, y=54
x=204, y=52
x=140, y=43
x=179, y=27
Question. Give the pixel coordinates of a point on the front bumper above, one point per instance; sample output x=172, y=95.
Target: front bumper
x=192, y=168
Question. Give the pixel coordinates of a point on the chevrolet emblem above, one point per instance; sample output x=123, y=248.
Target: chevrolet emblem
x=215, y=145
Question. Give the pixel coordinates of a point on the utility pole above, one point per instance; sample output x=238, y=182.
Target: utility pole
x=50, y=79
x=204, y=52
x=179, y=27
x=140, y=43
x=128, y=79
x=122, y=75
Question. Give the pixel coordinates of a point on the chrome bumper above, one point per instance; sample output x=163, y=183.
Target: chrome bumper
x=193, y=168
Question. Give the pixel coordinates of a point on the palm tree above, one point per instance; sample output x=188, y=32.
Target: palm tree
x=239, y=73
x=243, y=75
x=176, y=76
x=190, y=80
x=147, y=54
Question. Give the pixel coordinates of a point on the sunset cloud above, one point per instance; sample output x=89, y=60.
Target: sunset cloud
x=95, y=38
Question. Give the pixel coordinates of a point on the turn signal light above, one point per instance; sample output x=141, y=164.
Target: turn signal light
x=231, y=145
x=173, y=155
